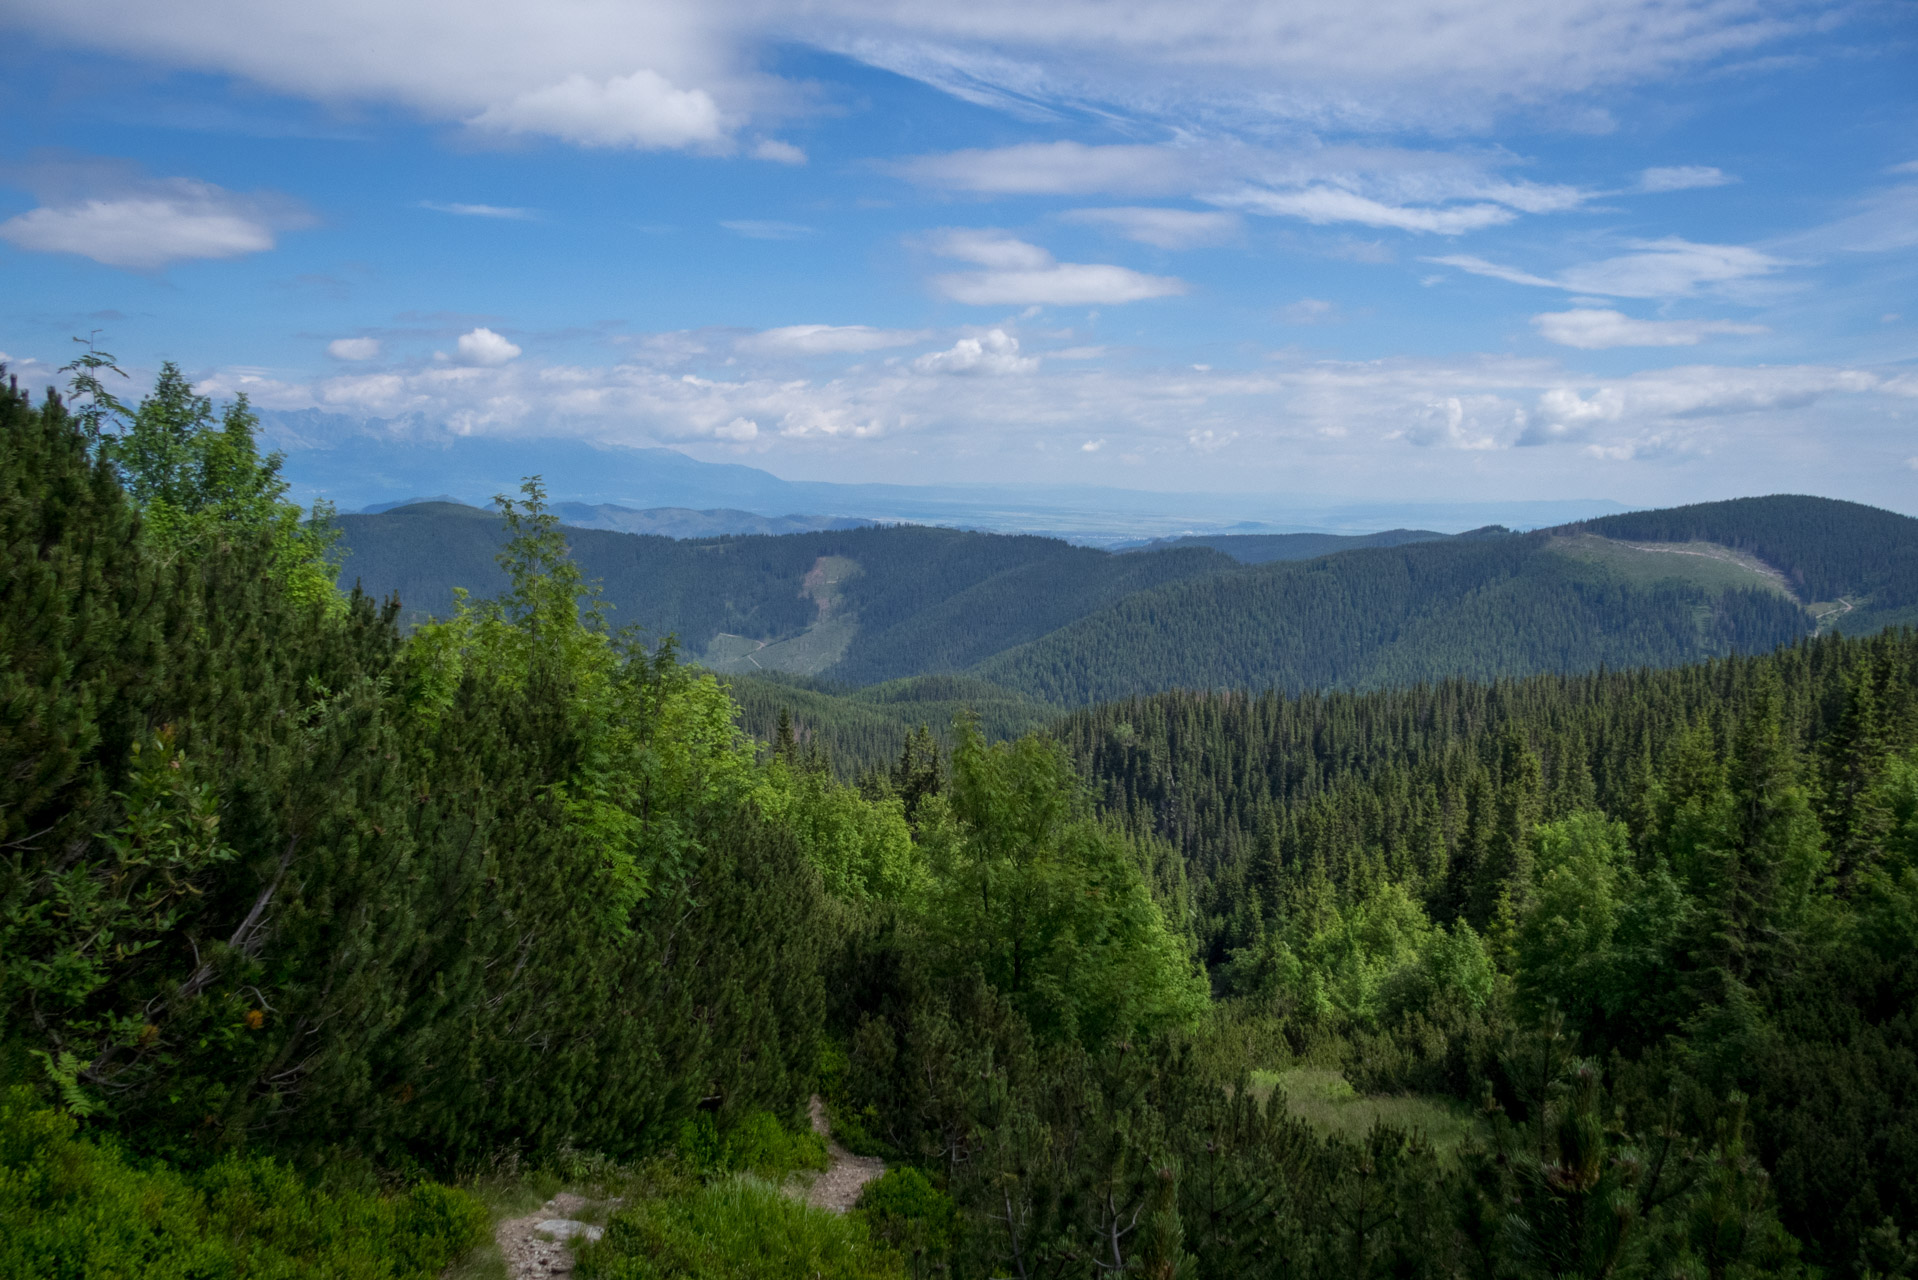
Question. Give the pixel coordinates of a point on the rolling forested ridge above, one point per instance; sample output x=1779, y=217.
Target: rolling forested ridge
x=1068, y=626
x=325, y=939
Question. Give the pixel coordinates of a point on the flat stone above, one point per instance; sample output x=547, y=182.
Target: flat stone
x=567, y=1228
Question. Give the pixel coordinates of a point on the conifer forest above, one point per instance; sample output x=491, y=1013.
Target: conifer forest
x=1577, y=940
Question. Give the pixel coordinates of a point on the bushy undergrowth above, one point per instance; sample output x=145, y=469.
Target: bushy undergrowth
x=739, y=1228
x=72, y=1208
x=757, y=1142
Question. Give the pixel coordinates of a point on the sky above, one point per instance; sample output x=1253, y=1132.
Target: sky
x=1655, y=251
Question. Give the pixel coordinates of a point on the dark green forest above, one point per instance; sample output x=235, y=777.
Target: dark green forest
x=1071, y=626
x=322, y=937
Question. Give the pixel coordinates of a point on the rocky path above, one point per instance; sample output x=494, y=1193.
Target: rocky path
x=838, y=1187
x=535, y=1246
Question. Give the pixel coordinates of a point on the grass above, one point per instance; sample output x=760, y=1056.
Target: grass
x=1324, y=1099
x=740, y=1228
x=1702, y=564
x=71, y=1205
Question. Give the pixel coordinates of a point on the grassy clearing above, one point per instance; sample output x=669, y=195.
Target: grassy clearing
x=1322, y=1098
x=1701, y=564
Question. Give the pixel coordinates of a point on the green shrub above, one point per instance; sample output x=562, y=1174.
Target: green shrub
x=71, y=1208
x=906, y=1211
x=756, y=1143
x=740, y=1229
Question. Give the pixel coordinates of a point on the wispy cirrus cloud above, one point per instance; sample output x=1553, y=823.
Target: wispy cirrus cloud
x=766, y=229
x=828, y=339
x=1591, y=329
x=1682, y=177
x=1667, y=268
x=505, y=213
x=676, y=73
x=1162, y=228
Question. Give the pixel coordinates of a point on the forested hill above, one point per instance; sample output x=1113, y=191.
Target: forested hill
x=1070, y=625
x=1583, y=976
x=1828, y=551
x=870, y=604
x=1259, y=548
x=1652, y=589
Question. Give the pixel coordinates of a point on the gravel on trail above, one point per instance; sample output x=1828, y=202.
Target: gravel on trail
x=535, y=1246
x=839, y=1186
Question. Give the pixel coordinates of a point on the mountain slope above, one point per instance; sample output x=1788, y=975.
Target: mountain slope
x=1260, y=548
x=903, y=599
x=1645, y=589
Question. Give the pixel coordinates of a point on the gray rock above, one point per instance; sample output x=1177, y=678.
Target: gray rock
x=567, y=1228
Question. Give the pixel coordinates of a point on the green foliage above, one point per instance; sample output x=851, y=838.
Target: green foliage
x=74, y=1208
x=756, y=1143
x=1045, y=901
x=903, y=1209
x=198, y=484
x=739, y=1228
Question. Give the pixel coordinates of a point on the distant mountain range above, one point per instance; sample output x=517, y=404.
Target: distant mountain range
x=1044, y=620
x=358, y=465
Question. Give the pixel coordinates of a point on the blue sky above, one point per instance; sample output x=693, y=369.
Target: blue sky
x=1651, y=250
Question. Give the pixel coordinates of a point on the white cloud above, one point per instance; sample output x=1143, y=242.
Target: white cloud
x=1092, y=446
x=828, y=339
x=766, y=229
x=1308, y=311
x=1682, y=177
x=354, y=348
x=1597, y=330
x=147, y=224
x=1909, y=166
x=643, y=110
x=1521, y=424
x=1018, y=273
x=778, y=152
x=506, y=212
x=1055, y=168
x=1667, y=268
x=1316, y=61
x=1322, y=204
x=1163, y=228
x=992, y=352
x=484, y=347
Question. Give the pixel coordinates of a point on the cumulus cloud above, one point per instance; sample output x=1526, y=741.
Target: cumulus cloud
x=1595, y=330
x=146, y=224
x=643, y=110
x=828, y=339
x=992, y=352
x=1017, y=273
x=356, y=348
x=1162, y=228
x=1667, y=268
x=1682, y=177
x=1517, y=421
x=484, y=347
